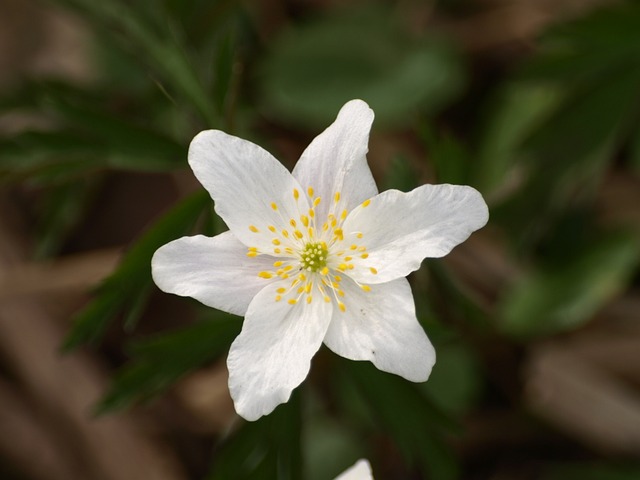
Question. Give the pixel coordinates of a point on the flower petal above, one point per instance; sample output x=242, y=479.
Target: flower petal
x=360, y=471
x=400, y=229
x=213, y=270
x=245, y=180
x=381, y=326
x=335, y=161
x=272, y=354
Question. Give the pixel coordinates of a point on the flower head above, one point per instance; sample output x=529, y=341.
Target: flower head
x=313, y=256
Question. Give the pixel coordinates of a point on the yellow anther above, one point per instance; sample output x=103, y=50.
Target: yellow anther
x=312, y=213
x=342, y=267
x=298, y=233
x=275, y=241
x=340, y=293
x=373, y=270
x=277, y=250
x=292, y=222
x=324, y=271
x=281, y=290
x=265, y=275
x=288, y=268
x=337, y=278
x=335, y=284
x=278, y=298
x=305, y=220
x=366, y=203
x=310, y=191
x=348, y=259
x=309, y=299
x=284, y=276
x=272, y=228
x=364, y=255
x=253, y=228
x=324, y=245
x=327, y=298
x=325, y=226
x=292, y=301
x=336, y=197
x=289, y=250
x=310, y=230
x=274, y=206
x=302, y=277
x=341, y=306
x=300, y=290
x=353, y=247
x=350, y=266
x=316, y=202
x=252, y=254
x=344, y=214
x=359, y=235
x=362, y=248
x=366, y=288
x=285, y=233
x=278, y=263
x=334, y=222
x=253, y=249
x=307, y=287
x=296, y=193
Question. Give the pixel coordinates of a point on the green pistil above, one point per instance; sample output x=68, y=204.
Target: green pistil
x=314, y=256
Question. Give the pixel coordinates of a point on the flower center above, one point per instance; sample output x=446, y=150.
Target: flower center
x=314, y=256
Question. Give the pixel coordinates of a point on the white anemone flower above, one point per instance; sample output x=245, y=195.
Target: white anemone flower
x=314, y=256
x=360, y=471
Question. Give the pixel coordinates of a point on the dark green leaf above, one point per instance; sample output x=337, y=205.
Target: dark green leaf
x=314, y=69
x=266, y=448
x=567, y=295
x=160, y=361
x=133, y=277
x=403, y=412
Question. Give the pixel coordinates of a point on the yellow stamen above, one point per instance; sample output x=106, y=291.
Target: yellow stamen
x=341, y=306
x=336, y=197
x=278, y=263
x=366, y=288
x=274, y=206
x=310, y=191
x=281, y=290
x=366, y=203
x=305, y=220
x=275, y=241
x=364, y=255
x=278, y=298
x=292, y=301
x=252, y=254
x=324, y=271
x=253, y=228
x=296, y=193
x=309, y=299
x=265, y=275
x=272, y=228
x=316, y=202
x=373, y=270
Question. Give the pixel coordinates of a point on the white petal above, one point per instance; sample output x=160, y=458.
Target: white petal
x=244, y=180
x=360, y=471
x=381, y=326
x=336, y=161
x=272, y=354
x=214, y=270
x=400, y=229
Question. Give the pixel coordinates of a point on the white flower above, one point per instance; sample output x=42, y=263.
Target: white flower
x=313, y=256
x=360, y=471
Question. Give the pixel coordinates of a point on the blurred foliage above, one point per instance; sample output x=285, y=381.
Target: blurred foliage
x=315, y=68
x=547, y=135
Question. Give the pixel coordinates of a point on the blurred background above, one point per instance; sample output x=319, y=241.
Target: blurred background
x=535, y=319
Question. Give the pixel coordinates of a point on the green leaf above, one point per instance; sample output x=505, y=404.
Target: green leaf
x=160, y=48
x=403, y=412
x=514, y=112
x=565, y=296
x=160, y=361
x=266, y=448
x=312, y=70
x=133, y=277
